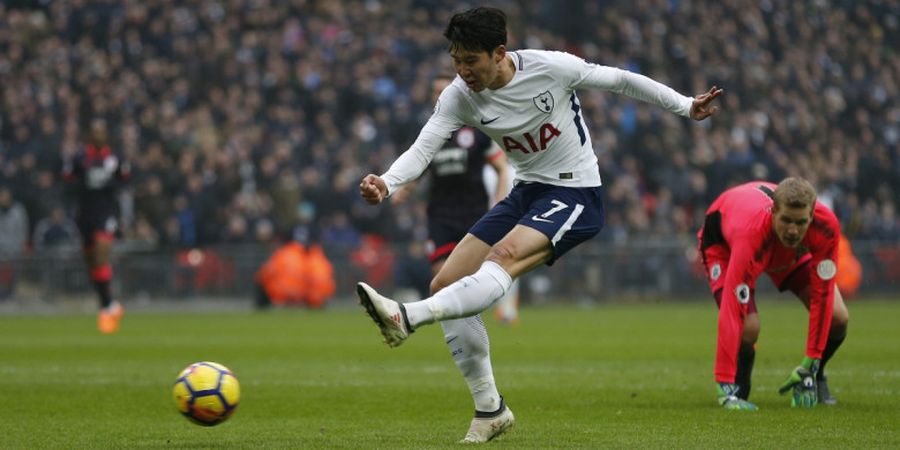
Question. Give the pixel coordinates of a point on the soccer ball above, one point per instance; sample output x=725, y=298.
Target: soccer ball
x=207, y=393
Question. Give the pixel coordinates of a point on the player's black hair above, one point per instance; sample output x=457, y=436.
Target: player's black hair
x=478, y=29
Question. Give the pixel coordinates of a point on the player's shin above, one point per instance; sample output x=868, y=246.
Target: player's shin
x=746, y=357
x=466, y=297
x=835, y=339
x=101, y=276
x=468, y=343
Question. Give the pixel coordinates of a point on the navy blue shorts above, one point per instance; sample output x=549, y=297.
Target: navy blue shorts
x=97, y=224
x=567, y=216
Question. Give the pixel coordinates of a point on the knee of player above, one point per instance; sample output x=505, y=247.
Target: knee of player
x=839, y=319
x=503, y=254
x=750, y=333
x=840, y=316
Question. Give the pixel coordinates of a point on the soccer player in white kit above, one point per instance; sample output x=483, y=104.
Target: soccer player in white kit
x=525, y=101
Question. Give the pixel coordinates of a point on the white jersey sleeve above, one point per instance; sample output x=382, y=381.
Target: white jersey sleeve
x=582, y=74
x=442, y=123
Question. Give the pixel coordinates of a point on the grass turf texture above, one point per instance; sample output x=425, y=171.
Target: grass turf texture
x=617, y=376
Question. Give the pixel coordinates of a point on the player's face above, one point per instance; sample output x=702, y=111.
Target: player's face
x=98, y=132
x=479, y=69
x=790, y=224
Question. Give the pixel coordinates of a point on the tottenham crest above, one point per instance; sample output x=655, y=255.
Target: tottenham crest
x=544, y=102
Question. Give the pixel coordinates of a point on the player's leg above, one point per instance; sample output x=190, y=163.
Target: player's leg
x=101, y=274
x=747, y=355
x=840, y=320
x=837, y=333
x=732, y=376
x=101, y=269
x=478, y=286
x=397, y=320
x=477, y=273
x=550, y=220
x=469, y=345
x=467, y=337
x=738, y=326
x=492, y=420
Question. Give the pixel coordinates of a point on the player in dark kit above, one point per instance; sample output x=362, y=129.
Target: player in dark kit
x=457, y=197
x=783, y=231
x=96, y=172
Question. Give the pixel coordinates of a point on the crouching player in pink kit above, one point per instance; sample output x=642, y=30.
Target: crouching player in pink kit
x=781, y=230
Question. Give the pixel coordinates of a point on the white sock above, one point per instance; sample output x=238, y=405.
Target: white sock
x=466, y=297
x=469, y=345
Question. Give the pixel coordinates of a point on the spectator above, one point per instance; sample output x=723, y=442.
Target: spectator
x=239, y=95
x=55, y=232
x=13, y=238
x=295, y=274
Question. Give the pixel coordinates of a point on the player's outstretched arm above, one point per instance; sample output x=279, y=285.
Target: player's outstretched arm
x=373, y=189
x=700, y=108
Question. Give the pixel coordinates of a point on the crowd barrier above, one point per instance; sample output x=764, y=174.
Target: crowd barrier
x=592, y=273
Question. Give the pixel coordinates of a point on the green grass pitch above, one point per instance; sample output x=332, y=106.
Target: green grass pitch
x=612, y=376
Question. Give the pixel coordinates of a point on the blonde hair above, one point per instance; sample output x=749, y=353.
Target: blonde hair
x=795, y=192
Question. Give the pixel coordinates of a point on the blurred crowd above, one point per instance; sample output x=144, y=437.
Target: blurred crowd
x=253, y=120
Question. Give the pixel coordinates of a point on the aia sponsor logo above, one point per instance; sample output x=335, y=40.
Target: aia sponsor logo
x=529, y=143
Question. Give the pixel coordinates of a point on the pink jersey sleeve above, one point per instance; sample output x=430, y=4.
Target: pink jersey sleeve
x=739, y=288
x=746, y=228
x=822, y=240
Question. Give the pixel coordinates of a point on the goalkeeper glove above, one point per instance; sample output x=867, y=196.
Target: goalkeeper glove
x=803, y=383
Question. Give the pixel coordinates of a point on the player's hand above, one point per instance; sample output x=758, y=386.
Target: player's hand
x=373, y=189
x=700, y=109
x=802, y=381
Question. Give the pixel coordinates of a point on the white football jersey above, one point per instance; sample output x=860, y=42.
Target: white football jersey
x=536, y=118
